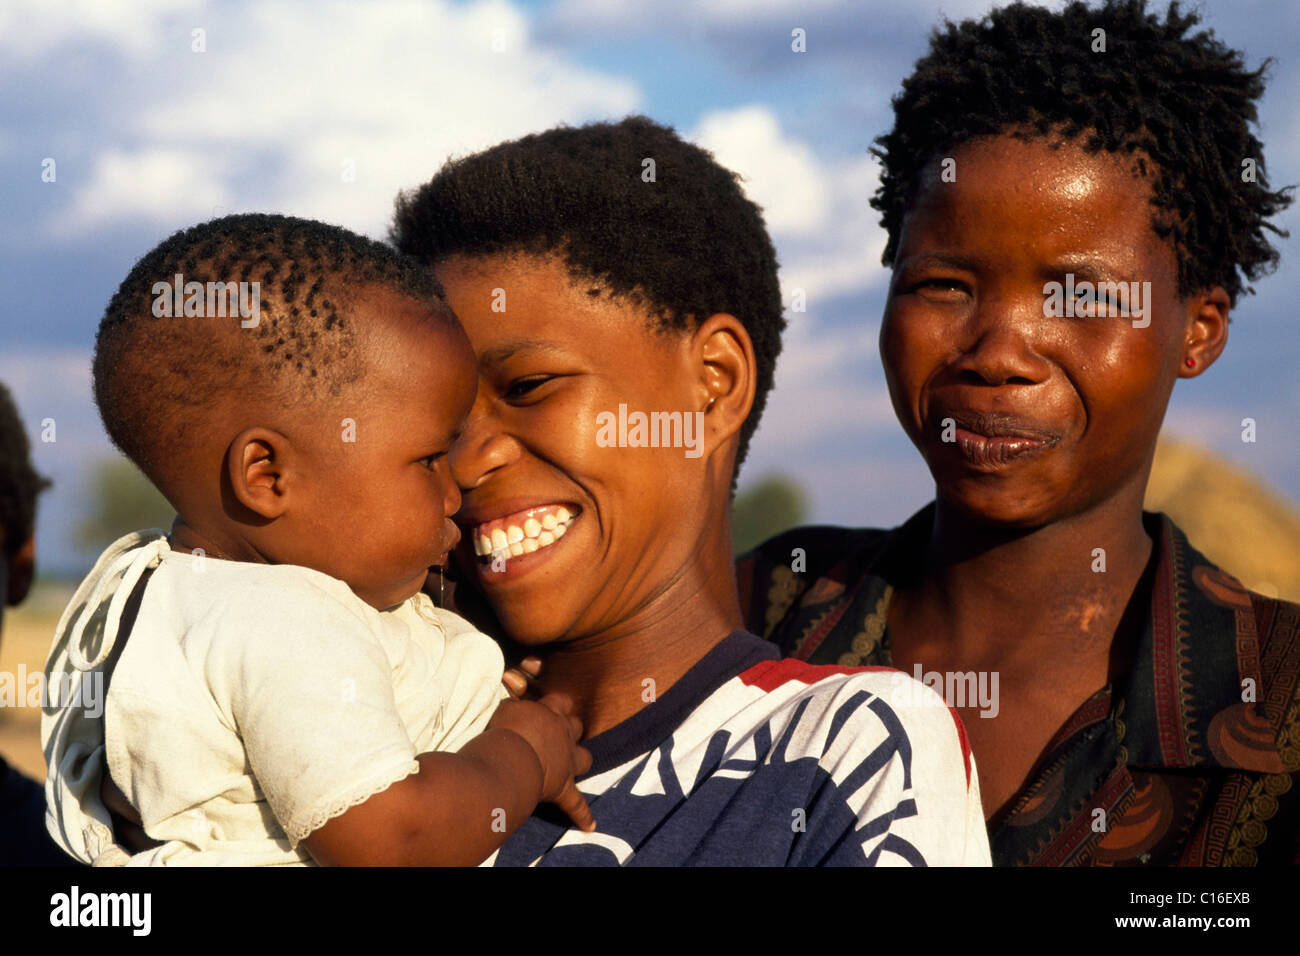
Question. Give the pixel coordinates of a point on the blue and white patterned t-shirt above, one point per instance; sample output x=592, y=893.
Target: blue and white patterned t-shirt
x=750, y=760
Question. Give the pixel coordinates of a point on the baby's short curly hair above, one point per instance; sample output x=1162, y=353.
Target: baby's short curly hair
x=155, y=374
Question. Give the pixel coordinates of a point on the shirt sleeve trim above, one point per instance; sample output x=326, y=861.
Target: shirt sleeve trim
x=303, y=826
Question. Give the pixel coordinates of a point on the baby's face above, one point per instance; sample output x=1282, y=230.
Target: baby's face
x=377, y=497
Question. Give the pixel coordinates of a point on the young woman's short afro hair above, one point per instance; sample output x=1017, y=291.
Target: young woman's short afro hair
x=684, y=246
x=1184, y=100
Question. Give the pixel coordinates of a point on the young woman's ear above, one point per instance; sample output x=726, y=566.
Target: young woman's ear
x=257, y=468
x=726, y=356
x=1207, y=331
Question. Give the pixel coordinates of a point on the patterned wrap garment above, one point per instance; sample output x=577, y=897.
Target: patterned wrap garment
x=1193, y=754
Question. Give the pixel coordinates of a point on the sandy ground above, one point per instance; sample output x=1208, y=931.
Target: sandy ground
x=28, y=630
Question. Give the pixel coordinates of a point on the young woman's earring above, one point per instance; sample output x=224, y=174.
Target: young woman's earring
x=1191, y=362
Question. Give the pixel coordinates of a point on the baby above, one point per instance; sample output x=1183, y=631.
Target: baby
x=279, y=689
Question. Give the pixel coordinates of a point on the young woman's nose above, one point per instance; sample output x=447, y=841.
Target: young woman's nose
x=482, y=447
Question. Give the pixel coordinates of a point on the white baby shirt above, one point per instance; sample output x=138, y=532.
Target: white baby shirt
x=251, y=704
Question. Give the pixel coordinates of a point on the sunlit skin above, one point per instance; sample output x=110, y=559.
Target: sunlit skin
x=276, y=471
x=1008, y=584
x=641, y=587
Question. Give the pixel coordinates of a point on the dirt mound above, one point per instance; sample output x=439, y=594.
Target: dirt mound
x=1230, y=516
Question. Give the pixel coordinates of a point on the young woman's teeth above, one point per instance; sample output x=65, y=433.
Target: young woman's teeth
x=525, y=533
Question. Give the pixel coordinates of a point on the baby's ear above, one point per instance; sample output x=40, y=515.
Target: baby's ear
x=257, y=470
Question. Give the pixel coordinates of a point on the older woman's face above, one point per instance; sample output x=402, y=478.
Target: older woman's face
x=610, y=532
x=1025, y=418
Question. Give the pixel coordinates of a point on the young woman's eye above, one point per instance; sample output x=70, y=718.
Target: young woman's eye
x=941, y=285
x=431, y=461
x=520, y=387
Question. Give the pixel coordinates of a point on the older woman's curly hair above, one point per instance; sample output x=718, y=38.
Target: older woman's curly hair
x=1182, y=99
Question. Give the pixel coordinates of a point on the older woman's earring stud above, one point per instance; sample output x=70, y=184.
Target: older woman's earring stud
x=1191, y=362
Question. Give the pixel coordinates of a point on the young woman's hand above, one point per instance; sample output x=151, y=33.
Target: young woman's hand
x=521, y=681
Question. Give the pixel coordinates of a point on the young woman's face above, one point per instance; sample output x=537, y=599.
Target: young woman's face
x=1022, y=417
x=590, y=534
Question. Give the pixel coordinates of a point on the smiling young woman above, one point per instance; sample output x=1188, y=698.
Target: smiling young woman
x=630, y=568
x=1148, y=707
x=586, y=291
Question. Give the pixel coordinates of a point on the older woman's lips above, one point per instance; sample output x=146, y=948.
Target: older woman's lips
x=993, y=440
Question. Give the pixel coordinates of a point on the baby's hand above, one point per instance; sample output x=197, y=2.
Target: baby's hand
x=553, y=732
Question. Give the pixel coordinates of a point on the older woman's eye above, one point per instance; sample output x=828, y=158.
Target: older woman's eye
x=939, y=288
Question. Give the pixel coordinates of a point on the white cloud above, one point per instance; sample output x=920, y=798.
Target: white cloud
x=818, y=211
x=828, y=381
x=721, y=16
x=844, y=255
x=781, y=175
x=31, y=29
x=282, y=105
x=629, y=17
x=157, y=183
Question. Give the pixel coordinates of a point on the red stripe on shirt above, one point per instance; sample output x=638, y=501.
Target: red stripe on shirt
x=770, y=675
x=965, y=744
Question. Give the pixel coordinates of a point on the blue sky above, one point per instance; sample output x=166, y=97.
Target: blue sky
x=149, y=136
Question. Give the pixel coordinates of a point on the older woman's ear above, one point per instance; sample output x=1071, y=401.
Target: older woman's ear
x=1207, y=330
x=728, y=374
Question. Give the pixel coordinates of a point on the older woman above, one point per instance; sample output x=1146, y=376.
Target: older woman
x=1066, y=228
